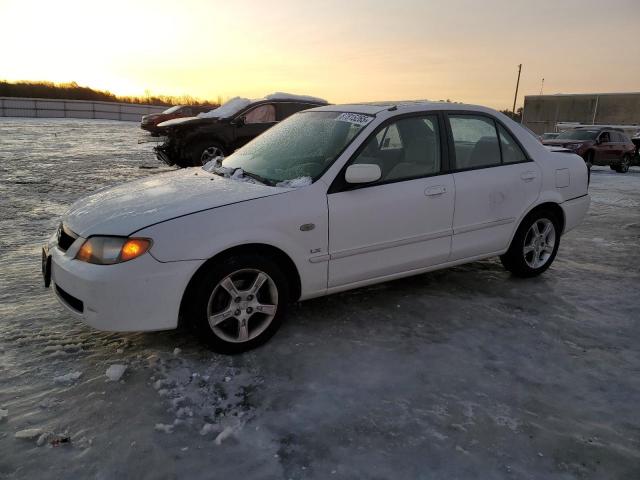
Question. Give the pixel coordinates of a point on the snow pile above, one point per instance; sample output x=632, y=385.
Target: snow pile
x=68, y=378
x=236, y=104
x=291, y=96
x=215, y=166
x=227, y=109
x=164, y=428
x=295, y=182
x=29, y=433
x=115, y=372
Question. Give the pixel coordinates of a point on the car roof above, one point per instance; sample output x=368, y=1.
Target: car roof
x=402, y=106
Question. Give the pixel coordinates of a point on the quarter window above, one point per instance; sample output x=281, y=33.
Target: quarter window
x=475, y=140
x=408, y=148
x=511, y=152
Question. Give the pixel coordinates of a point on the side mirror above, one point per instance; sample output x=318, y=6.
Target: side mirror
x=239, y=122
x=363, y=173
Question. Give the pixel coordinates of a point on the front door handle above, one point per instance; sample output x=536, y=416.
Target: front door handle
x=435, y=190
x=528, y=176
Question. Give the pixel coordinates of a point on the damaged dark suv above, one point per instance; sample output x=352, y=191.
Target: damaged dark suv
x=195, y=141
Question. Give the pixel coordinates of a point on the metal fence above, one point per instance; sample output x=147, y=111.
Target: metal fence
x=53, y=108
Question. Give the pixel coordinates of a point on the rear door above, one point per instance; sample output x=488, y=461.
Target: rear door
x=603, y=150
x=495, y=183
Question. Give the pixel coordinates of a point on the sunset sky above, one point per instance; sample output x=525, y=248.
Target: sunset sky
x=341, y=50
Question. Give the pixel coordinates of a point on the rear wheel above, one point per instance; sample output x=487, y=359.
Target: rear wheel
x=624, y=164
x=239, y=303
x=588, y=160
x=534, y=245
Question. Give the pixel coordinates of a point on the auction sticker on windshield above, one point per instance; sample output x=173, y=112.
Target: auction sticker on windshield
x=354, y=118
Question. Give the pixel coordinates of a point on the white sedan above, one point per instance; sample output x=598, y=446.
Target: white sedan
x=331, y=199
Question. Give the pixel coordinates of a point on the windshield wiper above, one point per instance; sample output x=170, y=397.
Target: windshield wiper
x=255, y=176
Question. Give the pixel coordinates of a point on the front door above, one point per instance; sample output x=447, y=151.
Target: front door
x=402, y=222
x=255, y=121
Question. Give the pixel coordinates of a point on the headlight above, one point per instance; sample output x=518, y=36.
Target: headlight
x=574, y=146
x=110, y=250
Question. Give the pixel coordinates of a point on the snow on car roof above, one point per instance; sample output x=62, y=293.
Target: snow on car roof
x=236, y=104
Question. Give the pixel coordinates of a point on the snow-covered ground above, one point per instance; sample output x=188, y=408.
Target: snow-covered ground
x=462, y=373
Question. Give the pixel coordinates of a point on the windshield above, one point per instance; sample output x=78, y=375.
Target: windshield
x=578, y=135
x=303, y=145
x=172, y=109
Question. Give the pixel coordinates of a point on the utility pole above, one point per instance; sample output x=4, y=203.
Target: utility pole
x=517, y=85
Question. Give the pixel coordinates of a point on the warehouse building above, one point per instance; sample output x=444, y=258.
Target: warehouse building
x=543, y=112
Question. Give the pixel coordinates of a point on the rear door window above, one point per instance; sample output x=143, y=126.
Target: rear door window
x=475, y=141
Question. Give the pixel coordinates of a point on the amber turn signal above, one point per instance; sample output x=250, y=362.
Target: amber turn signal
x=133, y=248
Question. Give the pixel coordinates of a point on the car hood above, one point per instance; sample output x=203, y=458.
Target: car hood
x=186, y=120
x=127, y=208
x=561, y=143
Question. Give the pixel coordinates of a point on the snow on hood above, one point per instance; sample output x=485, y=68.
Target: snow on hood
x=177, y=121
x=236, y=104
x=127, y=208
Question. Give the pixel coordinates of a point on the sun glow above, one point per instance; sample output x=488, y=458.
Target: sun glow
x=343, y=51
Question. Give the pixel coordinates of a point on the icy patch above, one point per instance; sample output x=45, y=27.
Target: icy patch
x=115, y=372
x=227, y=109
x=68, y=378
x=295, y=182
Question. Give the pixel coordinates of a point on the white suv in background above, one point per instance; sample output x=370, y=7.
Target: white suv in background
x=331, y=199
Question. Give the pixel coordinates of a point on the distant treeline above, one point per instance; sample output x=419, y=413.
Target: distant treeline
x=73, y=91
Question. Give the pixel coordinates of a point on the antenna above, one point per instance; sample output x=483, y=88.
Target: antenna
x=542, y=86
x=515, y=97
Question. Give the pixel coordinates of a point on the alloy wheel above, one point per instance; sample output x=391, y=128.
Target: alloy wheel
x=539, y=243
x=209, y=154
x=242, y=305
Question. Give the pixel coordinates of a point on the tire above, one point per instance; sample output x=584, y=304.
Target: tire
x=205, y=151
x=588, y=160
x=237, y=322
x=625, y=163
x=530, y=254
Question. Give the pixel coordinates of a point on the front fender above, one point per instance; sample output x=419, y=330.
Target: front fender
x=274, y=221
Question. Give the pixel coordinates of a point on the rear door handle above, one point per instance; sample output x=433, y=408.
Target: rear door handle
x=435, y=190
x=528, y=176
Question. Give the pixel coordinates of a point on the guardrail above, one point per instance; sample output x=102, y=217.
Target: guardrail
x=53, y=108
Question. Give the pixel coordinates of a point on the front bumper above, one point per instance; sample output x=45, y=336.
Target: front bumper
x=140, y=295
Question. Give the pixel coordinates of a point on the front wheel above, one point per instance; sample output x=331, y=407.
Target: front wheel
x=534, y=246
x=239, y=303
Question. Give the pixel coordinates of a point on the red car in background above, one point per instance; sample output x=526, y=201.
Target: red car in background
x=598, y=146
x=150, y=122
